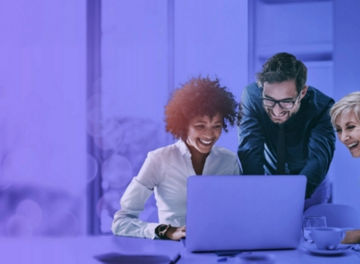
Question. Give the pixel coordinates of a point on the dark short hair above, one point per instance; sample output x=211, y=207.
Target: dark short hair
x=199, y=97
x=283, y=67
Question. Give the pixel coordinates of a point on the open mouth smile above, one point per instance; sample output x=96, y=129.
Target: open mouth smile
x=206, y=142
x=353, y=145
x=279, y=115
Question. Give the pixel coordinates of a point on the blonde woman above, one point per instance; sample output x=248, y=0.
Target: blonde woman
x=345, y=117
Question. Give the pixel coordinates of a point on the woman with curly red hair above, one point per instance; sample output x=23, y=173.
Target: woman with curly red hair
x=196, y=115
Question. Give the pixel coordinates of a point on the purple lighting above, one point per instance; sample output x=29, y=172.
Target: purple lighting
x=72, y=138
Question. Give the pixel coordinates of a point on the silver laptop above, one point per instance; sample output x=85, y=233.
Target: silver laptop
x=244, y=212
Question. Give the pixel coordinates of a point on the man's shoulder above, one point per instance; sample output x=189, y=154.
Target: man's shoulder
x=251, y=95
x=317, y=95
x=318, y=99
x=252, y=89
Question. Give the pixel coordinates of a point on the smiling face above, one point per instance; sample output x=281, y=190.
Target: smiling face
x=348, y=130
x=203, y=132
x=286, y=93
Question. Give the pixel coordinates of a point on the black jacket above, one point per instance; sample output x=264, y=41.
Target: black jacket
x=309, y=137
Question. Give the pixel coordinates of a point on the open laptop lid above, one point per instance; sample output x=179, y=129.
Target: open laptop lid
x=244, y=212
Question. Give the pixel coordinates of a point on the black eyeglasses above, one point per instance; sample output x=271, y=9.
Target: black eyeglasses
x=284, y=104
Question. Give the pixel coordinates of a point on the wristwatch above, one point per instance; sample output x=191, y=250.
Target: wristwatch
x=161, y=230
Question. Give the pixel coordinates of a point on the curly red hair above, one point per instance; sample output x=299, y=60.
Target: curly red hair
x=199, y=97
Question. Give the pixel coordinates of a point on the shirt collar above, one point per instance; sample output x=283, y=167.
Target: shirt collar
x=183, y=148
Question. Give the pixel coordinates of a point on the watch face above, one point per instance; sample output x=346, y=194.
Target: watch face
x=162, y=228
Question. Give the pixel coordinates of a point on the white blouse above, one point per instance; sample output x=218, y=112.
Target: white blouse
x=165, y=171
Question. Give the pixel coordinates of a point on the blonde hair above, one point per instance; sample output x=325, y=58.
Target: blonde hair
x=350, y=102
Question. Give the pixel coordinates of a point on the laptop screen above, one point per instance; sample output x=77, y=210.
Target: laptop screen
x=244, y=212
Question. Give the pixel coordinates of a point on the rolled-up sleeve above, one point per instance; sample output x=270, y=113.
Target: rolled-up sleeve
x=320, y=151
x=126, y=221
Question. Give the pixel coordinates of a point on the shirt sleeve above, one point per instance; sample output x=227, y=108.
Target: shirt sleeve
x=126, y=221
x=237, y=170
x=251, y=136
x=320, y=151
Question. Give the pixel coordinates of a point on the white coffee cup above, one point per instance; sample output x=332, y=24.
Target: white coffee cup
x=327, y=237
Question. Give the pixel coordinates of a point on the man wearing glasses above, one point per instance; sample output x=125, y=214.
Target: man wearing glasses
x=286, y=128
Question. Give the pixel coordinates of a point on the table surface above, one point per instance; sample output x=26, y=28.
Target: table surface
x=84, y=249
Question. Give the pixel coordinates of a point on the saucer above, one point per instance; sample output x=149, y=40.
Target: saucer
x=340, y=250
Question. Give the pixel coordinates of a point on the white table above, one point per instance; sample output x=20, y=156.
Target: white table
x=81, y=250
x=280, y=257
